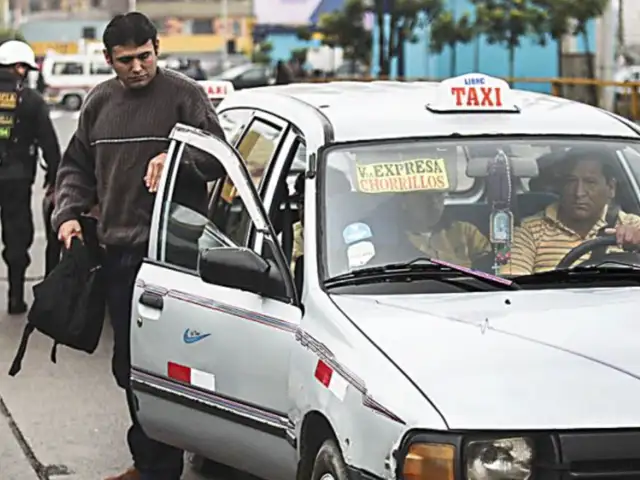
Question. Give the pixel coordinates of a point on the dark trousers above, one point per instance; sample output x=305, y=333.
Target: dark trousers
x=154, y=460
x=54, y=246
x=17, y=229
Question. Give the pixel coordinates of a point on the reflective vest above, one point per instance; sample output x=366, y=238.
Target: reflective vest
x=9, y=100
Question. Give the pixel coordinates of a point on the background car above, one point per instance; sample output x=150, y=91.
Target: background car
x=250, y=75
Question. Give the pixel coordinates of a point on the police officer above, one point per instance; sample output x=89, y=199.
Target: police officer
x=25, y=127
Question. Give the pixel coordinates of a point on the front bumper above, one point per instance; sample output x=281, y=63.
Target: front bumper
x=572, y=455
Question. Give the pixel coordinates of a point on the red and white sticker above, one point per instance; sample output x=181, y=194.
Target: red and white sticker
x=331, y=379
x=192, y=376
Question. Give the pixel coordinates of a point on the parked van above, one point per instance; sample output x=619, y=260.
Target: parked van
x=70, y=77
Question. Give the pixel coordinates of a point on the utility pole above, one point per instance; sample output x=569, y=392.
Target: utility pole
x=621, y=42
x=225, y=34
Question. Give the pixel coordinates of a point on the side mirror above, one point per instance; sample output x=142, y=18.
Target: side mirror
x=242, y=269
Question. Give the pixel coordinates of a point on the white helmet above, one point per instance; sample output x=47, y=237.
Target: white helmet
x=15, y=51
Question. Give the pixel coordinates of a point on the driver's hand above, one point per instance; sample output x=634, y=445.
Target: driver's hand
x=625, y=234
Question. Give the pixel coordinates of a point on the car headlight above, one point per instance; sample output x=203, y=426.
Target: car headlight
x=500, y=459
x=484, y=459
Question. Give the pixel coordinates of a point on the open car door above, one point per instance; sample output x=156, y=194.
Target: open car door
x=210, y=359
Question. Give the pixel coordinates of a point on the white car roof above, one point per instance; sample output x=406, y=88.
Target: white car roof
x=360, y=111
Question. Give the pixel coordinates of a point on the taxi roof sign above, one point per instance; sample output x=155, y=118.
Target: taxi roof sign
x=474, y=92
x=216, y=88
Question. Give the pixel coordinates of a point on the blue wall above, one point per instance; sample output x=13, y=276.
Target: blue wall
x=59, y=30
x=531, y=60
x=284, y=43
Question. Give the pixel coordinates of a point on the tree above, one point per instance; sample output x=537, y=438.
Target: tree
x=9, y=34
x=447, y=31
x=558, y=23
x=345, y=29
x=404, y=18
x=262, y=53
x=506, y=22
x=299, y=55
x=582, y=13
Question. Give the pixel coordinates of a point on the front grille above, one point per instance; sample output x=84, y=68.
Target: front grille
x=600, y=456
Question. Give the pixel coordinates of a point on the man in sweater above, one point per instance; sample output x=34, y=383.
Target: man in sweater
x=115, y=160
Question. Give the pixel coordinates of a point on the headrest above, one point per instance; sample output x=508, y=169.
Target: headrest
x=520, y=167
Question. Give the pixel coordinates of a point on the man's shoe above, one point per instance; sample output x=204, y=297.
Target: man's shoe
x=130, y=474
x=17, y=306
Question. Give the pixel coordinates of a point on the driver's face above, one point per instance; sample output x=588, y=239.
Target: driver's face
x=585, y=191
x=423, y=209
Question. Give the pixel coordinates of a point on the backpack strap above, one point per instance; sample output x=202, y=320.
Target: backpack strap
x=54, y=352
x=16, y=365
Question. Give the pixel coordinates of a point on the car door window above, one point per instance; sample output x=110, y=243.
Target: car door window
x=253, y=74
x=233, y=122
x=68, y=68
x=100, y=68
x=213, y=215
x=257, y=148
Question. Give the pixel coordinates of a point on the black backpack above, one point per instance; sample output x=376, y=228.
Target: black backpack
x=69, y=304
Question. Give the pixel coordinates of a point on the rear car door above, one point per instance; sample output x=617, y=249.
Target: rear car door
x=187, y=374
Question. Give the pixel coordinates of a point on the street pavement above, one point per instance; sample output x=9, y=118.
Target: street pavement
x=64, y=421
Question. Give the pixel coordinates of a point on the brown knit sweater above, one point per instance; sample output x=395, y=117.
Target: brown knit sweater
x=119, y=132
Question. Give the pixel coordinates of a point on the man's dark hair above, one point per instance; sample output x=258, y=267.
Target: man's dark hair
x=604, y=156
x=133, y=28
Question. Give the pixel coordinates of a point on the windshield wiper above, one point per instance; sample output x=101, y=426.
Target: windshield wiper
x=422, y=266
x=592, y=272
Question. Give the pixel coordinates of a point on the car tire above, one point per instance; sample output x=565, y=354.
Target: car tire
x=72, y=102
x=329, y=463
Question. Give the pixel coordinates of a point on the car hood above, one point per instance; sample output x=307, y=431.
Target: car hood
x=514, y=360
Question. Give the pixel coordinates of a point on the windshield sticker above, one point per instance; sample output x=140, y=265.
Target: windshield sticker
x=356, y=232
x=408, y=176
x=360, y=254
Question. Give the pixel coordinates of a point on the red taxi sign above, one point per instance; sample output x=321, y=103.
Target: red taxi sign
x=474, y=92
x=216, y=89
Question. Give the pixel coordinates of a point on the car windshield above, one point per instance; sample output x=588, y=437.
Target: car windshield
x=507, y=206
x=233, y=72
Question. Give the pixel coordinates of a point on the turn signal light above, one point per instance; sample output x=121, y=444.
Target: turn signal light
x=429, y=461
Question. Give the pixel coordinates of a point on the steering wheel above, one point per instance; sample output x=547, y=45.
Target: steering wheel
x=629, y=257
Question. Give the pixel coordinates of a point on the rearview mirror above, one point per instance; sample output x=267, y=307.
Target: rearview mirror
x=242, y=269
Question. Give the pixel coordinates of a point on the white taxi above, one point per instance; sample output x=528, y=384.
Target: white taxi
x=419, y=304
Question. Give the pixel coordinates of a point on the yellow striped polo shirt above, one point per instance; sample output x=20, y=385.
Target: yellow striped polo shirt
x=298, y=244
x=541, y=241
x=460, y=243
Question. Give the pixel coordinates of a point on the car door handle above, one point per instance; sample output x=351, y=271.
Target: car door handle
x=152, y=300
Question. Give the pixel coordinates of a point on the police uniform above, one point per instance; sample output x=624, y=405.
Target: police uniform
x=25, y=126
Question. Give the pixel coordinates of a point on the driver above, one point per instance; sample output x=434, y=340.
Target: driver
x=449, y=240
x=587, y=186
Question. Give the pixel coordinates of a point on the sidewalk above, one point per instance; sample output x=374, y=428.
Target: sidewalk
x=13, y=462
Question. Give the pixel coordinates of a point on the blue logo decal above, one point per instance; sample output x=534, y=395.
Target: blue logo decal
x=193, y=336
x=356, y=232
